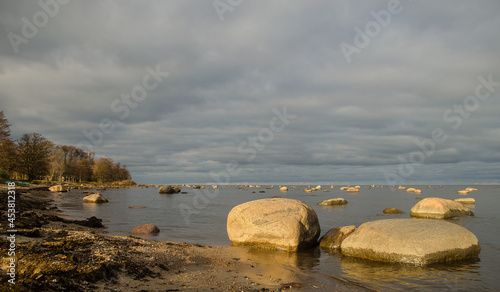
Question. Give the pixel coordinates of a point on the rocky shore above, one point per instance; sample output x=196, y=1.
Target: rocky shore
x=57, y=254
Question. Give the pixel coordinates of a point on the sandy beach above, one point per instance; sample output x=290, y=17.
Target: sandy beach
x=58, y=254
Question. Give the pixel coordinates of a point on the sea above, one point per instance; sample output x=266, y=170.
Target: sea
x=199, y=217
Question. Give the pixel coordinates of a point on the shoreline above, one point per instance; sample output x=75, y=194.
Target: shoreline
x=55, y=253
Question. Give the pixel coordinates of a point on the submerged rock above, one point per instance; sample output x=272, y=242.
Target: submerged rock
x=412, y=241
x=437, y=208
x=95, y=198
x=274, y=223
x=334, y=237
x=392, y=211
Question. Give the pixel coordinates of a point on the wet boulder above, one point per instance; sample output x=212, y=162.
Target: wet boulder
x=334, y=237
x=276, y=223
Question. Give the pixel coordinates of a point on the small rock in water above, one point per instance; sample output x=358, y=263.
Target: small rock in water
x=392, y=211
x=146, y=229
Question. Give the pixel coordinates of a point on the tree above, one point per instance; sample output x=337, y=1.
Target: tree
x=7, y=149
x=33, y=155
x=4, y=127
x=8, y=156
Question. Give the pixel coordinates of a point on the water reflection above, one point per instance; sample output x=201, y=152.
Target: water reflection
x=304, y=259
x=389, y=276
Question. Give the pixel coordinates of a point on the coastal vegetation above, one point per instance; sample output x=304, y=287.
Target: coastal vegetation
x=33, y=157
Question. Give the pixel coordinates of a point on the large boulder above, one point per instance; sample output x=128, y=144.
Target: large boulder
x=146, y=229
x=331, y=202
x=169, y=190
x=95, y=198
x=437, y=208
x=334, y=237
x=275, y=223
x=412, y=241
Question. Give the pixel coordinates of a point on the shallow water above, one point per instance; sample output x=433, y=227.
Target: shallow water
x=206, y=224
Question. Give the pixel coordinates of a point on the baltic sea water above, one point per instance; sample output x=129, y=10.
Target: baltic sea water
x=207, y=225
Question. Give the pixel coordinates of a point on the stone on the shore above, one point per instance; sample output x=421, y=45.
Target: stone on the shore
x=344, y=188
x=334, y=237
x=277, y=223
x=169, y=190
x=392, y=211
x=318, y=187
x=330, y=202
x=146, y=229
x=95, y=198
x=411, y=190
x=401, y=188
x=284, y=189
x=57, y=189
x=411, y=241
x=437, y=208
x=352, y=190
x=470, y=201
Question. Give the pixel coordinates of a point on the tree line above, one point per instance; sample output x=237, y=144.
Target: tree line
x=32, y=157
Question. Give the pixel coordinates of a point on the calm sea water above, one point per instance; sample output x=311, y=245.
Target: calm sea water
x=207, y=225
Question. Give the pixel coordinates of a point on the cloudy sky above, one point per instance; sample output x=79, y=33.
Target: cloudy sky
x=252, y=91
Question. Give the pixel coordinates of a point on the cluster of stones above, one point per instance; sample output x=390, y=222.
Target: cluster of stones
x=292, y=225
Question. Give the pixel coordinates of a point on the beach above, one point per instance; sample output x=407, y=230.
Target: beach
x=54, y=254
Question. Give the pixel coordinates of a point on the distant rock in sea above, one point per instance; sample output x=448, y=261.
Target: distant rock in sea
x=437, y=208
x=167, y=189
x=331, y=202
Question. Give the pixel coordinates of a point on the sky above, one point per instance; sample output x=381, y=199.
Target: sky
x=235, y=91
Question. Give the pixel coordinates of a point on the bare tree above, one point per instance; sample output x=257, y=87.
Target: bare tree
x=4, y=127
x=33, y=155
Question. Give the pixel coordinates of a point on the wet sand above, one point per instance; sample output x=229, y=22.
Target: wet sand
x=53, y=253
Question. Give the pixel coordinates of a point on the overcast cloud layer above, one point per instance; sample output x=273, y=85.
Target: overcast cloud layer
x=324, y=102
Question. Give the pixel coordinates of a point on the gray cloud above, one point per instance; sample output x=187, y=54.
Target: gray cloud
x=225, y=78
